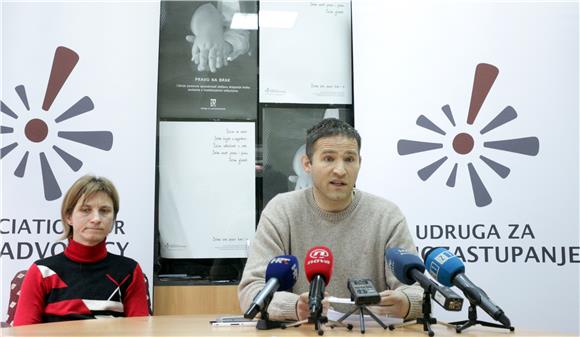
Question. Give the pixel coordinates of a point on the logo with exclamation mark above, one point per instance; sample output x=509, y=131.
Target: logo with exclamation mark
x=36, y=129
x=463, y=142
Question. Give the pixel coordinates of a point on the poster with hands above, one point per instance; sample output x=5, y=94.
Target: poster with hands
x=207, y=66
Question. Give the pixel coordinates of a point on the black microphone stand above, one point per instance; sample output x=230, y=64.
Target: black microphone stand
x=264, y=323
x=426, y=320
x=472, y=320
x=318, y=319
x=315, y=318
x=362, y=309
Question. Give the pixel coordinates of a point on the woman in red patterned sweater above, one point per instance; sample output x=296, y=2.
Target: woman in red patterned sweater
x=85, y=281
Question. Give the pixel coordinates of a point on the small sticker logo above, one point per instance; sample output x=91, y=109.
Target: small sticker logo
x=319, y=253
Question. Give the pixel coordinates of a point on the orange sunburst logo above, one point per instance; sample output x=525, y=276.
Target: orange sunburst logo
x=463, y=142
x=36, y=129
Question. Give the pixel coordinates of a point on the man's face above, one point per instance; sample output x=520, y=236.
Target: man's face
x=334, y=168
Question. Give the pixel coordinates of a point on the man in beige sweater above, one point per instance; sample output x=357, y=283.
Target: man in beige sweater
x=356, y=226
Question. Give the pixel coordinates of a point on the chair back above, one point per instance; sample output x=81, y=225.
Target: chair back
x=15, y=286
x=148, y=295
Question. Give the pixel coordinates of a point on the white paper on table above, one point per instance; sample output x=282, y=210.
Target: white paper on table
x=354, y=319
x=341, y=300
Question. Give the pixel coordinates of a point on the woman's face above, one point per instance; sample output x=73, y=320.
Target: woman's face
x=92, y=219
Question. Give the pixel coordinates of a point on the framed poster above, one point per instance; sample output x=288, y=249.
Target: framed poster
x=305, y=52
x=207, y=196
x=208, y=65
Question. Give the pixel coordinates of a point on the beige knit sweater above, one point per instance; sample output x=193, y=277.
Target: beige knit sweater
x=292, y=223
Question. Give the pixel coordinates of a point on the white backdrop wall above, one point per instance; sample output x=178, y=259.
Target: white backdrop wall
x=519, y=238
x=117, y=48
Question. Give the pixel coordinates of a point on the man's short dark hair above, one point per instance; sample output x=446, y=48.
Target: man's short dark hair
x=327, y=128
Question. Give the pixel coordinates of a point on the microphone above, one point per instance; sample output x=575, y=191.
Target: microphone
x=281, y=275
x=449, y=270
x=318, y=267
x=408, y=268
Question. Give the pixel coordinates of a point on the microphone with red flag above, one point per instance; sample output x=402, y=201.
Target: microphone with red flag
x=318, y=268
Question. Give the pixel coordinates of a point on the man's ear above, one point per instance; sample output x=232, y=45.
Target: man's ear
x=306, y=164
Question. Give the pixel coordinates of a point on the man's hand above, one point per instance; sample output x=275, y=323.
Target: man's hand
x=302, y=310
x=393, y=303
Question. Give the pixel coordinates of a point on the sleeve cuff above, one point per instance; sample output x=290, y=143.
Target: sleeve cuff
x=415, y=296
x=283, y=306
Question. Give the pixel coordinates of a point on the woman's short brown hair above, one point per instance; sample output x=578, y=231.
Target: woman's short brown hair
x=86, y=186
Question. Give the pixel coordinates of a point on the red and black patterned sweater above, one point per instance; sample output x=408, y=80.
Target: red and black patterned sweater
x=81, y=283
